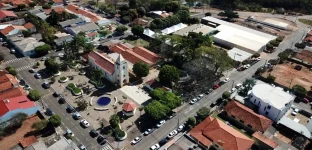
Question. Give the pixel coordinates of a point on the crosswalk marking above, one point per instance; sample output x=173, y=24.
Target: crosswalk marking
x=23, y=68
x=13, y=60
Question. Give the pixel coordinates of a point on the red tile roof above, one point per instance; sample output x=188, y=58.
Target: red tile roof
x=75, y=9
x=140, y=21
x=92, y=34
x=25, y=142
x=12, y=93
x=241, y=112
x=214, y=130
x=267, y=141
x=17, y=102
x=58, y=1
x=8, y=29
x=137, y=54
x=128, y=106
x=4, y=13
x=7, y=81
x=146, y=54
x=305, y=55
x=102, y=61
x=29, y=25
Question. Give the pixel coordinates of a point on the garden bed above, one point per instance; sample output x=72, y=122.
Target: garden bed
x=96, y=85
x=63, y=79
x=73, y=88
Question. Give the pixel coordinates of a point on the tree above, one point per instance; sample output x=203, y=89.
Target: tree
x=226, y=95
x=42, y=50
x=96, y=76
x=157, y=94
x=132, y=4
x=191, y=121
x=21, y=6
x=140, y=69
x=34, y=95
x=52, y=65
x=26, y=33
x=300, y=45
x=82, y=104
x=55, y=120
x=46, y=6
x=32, y=4
x=229, y=14
x=183, y=15
x=141, y=11
x=285, y=54
x=207, y=14
x=133, y=14
x=121, y=29
x=88, y=47
x=171, y=100
x=54, y=18
x=299, y=90
x=13, y=124
x=40, y=125
x=114, y=121
x=248, y=84
x=137, y=30
x=11, y=70
x=172, y=6
x=203, y=113
x=156, y=110
x=270, y=79
x=190, y=2
x=168, y=75
x=119, y=133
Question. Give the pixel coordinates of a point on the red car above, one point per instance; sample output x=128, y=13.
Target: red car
x=216, y=86
x=305, y=100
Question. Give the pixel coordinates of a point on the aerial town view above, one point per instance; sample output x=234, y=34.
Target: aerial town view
x=155, y=75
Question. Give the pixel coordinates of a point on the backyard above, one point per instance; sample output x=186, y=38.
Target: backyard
x=137, y=42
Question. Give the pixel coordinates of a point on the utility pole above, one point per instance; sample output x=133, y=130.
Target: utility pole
x=232, y=84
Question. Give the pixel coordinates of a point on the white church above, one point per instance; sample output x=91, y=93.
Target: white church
x=115, y=71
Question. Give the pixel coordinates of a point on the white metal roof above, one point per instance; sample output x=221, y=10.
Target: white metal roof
x=238, y=55
x=195, y=28
x=149, y=33
x=173, y=28
x=274, y=96
x=277, y=23
x=295, y=126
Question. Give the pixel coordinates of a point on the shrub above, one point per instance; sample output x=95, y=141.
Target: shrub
x=270, y=79
x=207, y=14
x=299, y=90
x=11, y=70
x=269, y=46
x=119, y=132
x=63, y=78
x=191, y=121
x=300, y=45
x=74, y=88
x=256, y=55
x=274, y=43
x=226, y=95
x=280, y=38
x=34, y=95
x=55, y=120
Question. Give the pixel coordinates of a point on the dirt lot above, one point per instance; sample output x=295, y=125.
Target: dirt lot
x=286, y=75
x=12, y=140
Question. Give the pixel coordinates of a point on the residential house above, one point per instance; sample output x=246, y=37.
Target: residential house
x=140, y=21
x=4, y=6
x=62, y=38
x=58, y=9
x=213, y=133
x=272, y=102
x=6, y=16
x=136, y=54
x=58, y=2
x=12, y=30
x=25, y=46
x=247, y=117
x=18, y=104
x=30, y=27
x=72, y=22
x=90, y=29
x=115, y=71
x=160, y=14
x=11, y=93
x=7, y=82
x=263, y=142
x=15, y=3
x=83, y=13
x=103, y=22
x=39, y=13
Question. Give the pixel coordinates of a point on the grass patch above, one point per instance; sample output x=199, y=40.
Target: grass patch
x=74, y=88
x=138, y=42
x=306, y=21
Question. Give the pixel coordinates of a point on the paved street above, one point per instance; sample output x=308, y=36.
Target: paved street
x=190, y=110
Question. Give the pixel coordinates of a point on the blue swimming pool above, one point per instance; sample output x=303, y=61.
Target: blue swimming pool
x=103, y=101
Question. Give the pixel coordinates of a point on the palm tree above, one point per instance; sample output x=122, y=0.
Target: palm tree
x=96, y=75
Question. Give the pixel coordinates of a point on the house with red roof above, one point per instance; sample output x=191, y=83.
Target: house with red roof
x=136, y=54
x=7, y=82
x=58, y=2
x=12, y=30
x=264, y=142
x=7, y=16
x=84, y=13
x=17, y=104
x=246, y=117
x=30, y=27
x=115, y=71
x=213, y=133
x=128, y=109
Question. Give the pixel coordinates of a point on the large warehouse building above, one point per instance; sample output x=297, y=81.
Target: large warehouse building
x=244, y=41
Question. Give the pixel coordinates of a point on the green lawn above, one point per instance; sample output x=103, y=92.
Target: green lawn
x=306, y=21
x=138, y=42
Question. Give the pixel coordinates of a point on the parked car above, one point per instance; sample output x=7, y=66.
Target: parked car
x=85, y=123
x=101, y=140
x=38, y=75
x=181, y=127
x=209, y=91
x=46, y=85
x=22, y=82
x=82, y=147
x=213, y=104
x=238, y=85
x=76, y=115
x=148, y=131
x=232, y=90
x=161, y=123
x=295, y=112
x=49, y=112
x=163, y=141
x=43, y=58
x=32, y=70
x=61, y=55
x=201, y=96
x=56, y=94
x=12, y=51
x=305, y=100
x=172, y=134
x=93, y=133
x=193, y=101
x=69, y=109
x=155, y=147
x=136, y=140
x=226, y=80
x=216, y=86
x=69, y=132
x=27, y=87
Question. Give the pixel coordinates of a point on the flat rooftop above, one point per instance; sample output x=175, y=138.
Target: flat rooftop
x=195, y=28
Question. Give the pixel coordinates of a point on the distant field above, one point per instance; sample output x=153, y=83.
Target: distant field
x=306, y=21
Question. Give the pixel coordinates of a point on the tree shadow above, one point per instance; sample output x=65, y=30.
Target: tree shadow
x=144, y=122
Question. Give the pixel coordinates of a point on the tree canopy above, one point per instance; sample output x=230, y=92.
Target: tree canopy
x=43, y=49
x=34, y=95
x=82, y=104
x=229, y=14
x=140, y=69
x=203, y=113
x=114, y=120
x=52, y=65
x=168, y=99
x=168, y=75
x=55, y=120
x=137, y=30
x=156, y=110
x=121, y=29
x=299, y=90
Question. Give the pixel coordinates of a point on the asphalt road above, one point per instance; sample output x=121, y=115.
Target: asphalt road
x=190, y=110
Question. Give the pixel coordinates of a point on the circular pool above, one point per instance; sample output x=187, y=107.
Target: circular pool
x=103, y=101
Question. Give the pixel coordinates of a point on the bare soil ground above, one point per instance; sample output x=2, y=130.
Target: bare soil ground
x=12, y=140
x=286, y=75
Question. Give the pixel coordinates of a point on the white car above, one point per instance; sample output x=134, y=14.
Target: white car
x=155, y=147
x=295, y=112
x=180, y=128
x=201, y=95
x=69, y=132
x=233, y=90
x=136, y=140
x=85, y=123
x=193, y=101
x=226, y=80
x=60, y=54
x=238, y=85
x=172, y=134
x=148, y=131
x=12, y=50
x=161, y=123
